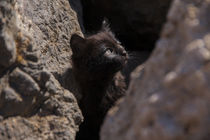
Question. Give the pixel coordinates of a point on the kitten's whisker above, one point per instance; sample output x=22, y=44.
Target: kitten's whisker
x=133, y=57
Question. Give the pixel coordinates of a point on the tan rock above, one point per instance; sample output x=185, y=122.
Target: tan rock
x=170, y=99
x=35, y=58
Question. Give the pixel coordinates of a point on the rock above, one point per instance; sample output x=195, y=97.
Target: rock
x=23, y=83
x=169, y=98
x=10, y=95
x=7, y=47
x=11, y=102
x=36, y=128
x=34, y=58
x=8, y=50
x=50, y=25
x=137, y=23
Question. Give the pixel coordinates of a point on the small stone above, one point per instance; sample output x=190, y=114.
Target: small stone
x=23, y=83
x=10, y=95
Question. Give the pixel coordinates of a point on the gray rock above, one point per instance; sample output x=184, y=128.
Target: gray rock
x=8, y=49
x=10, y=95
x=50, y=25
x=7, y=41
x=11, y=103
x=169, y=98
x=35, y=54
x=23, y=83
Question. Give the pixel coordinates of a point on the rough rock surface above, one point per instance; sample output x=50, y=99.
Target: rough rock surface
x=8, y=49
x=34, y=58
x=137, y=23
x=168, y=99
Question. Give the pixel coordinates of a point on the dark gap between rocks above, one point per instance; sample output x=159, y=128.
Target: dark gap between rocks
x=137, y=24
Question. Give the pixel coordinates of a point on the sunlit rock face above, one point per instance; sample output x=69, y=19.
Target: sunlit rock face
x=168, y=98
x=34, y=61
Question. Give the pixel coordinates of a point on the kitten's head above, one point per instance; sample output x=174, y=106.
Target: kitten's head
x=99, y=53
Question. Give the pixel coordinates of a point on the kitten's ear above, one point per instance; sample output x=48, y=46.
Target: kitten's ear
x=105, y=25
x=76, y=43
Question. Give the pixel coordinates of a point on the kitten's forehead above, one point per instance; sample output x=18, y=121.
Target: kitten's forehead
x=104, y=36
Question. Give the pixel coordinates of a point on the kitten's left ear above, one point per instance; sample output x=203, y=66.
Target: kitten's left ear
x=105, y=25
x=77, y=43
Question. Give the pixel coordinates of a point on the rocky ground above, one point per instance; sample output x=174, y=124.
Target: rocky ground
x=168, y=96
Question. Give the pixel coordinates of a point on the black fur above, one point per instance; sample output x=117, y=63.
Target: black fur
x=97, y=61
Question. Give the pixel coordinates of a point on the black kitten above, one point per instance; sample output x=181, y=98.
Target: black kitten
x=97, y=61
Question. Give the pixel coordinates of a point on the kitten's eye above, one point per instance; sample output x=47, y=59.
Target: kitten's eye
x=108, y=51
